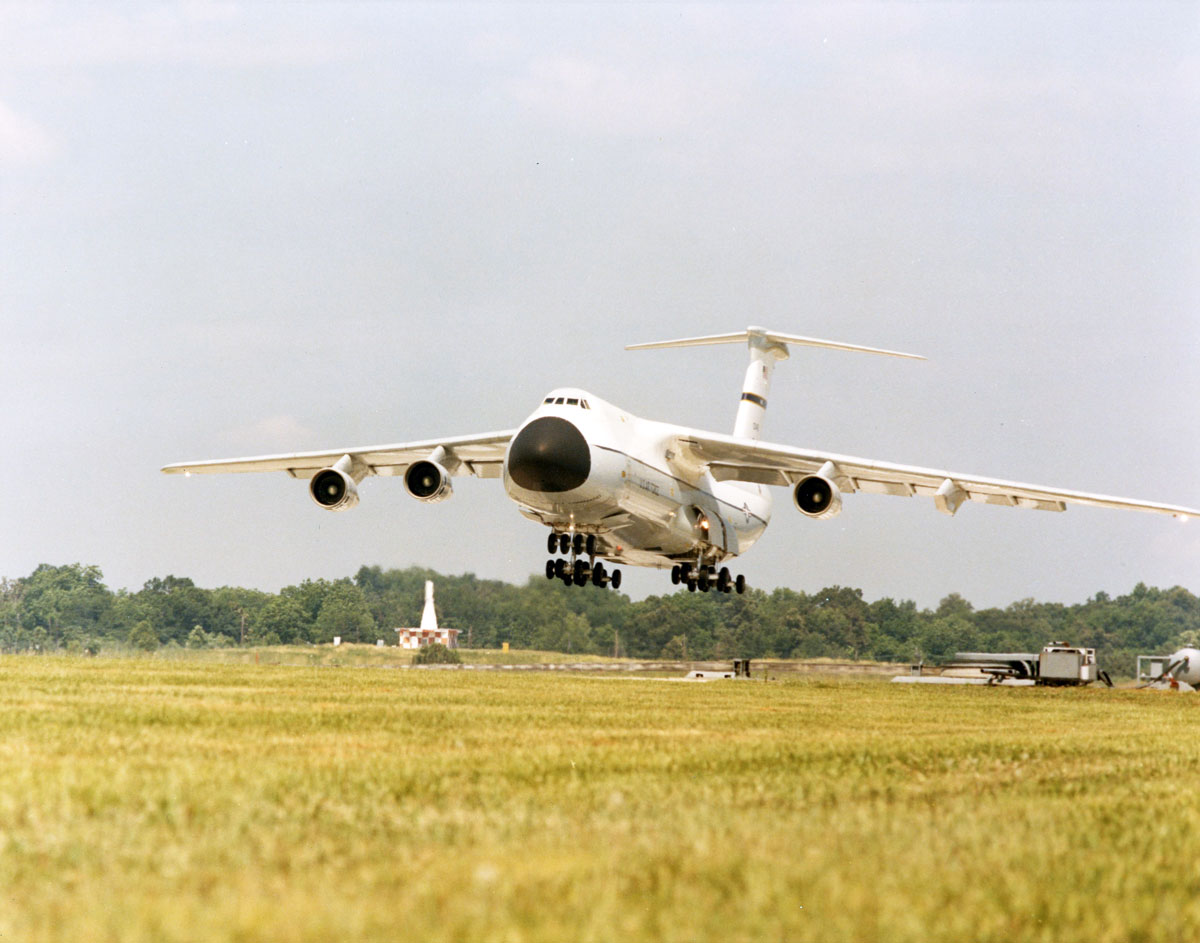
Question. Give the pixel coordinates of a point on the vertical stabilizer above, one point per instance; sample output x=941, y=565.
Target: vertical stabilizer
x=766, y=347
x=764, y=353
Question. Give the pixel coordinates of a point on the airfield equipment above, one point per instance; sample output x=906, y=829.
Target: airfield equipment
x=1177, y=671
x=1057, y=664
x=1060, y=663
x=741, y=669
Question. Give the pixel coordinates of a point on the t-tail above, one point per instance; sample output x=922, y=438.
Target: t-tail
x=766, y=348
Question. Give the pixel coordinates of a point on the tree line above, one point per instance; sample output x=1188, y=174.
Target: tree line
x=69, y=608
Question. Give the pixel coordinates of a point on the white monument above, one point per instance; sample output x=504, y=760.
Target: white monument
x=429, y=632
x=429, y=614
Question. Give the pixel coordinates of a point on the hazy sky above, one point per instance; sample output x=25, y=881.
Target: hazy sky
x=233, y=229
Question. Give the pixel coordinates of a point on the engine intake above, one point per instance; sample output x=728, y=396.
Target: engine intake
x=818, y=497
x=428, y=481
x=333, y=489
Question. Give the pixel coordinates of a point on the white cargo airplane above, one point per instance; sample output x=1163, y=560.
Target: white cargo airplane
x=617, y=488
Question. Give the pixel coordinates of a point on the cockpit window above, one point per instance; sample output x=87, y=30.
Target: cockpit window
x=548, y=399
x=572, y=402
x=583, y=403
x=559, y=401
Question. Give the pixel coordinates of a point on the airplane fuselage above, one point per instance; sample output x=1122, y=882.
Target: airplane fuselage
x=582, y=465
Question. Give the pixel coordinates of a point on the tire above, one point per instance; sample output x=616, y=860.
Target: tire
x=598, y=575
x=675, y=575
x=552, y=543
x=615, y=582
x=550, y=574
x=740, y=584
x=564, y=543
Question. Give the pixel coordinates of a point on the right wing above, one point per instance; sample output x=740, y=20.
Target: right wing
x=479, y=455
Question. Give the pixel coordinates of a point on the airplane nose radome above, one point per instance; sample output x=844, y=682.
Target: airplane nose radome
x=549, y=455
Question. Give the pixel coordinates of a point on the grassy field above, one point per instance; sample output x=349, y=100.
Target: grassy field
x=146, y=799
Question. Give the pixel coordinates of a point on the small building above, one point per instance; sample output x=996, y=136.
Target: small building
x=429, y=632
x=419, y=638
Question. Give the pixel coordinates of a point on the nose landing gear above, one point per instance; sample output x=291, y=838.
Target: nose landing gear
x=577, y=571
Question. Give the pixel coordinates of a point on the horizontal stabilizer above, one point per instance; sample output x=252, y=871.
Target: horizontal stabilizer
x=771, y=337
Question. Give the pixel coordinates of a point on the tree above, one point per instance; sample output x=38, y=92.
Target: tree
x=198, y=638
x=63, y=600
x=11, y=593
x=283, y=618
x=232, y=608
x=345, y=613
x=573, y=635
x=143, y=637
x=675, y=649
x=176, y=605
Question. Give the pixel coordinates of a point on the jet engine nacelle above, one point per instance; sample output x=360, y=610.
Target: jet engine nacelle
x=333, y=489
x=428, y=481
x=817, y=496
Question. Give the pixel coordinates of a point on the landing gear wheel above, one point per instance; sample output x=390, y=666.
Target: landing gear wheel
x=723, y=579
x=691, y=585
x=550, y=574
x=560, y=569
x=590, y=545
x=598, y=575
x=577, y=544
x=564, y=543
x=615, y=579
x=552, y=543
x=740, y=584
x=581, y=574
x=702, y=582
x=675, y=575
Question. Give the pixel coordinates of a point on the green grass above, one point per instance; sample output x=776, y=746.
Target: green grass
x=146, y=799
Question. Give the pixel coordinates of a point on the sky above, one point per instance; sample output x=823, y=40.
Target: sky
x=231, y=229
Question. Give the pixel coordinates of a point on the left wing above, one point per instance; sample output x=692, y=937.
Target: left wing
x=479, y=455
x=729, y=458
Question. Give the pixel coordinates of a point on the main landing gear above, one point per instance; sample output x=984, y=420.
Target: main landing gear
x=576, y=571
x=703, y=578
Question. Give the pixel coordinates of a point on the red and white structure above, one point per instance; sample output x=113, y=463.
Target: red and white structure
x=429, y=632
